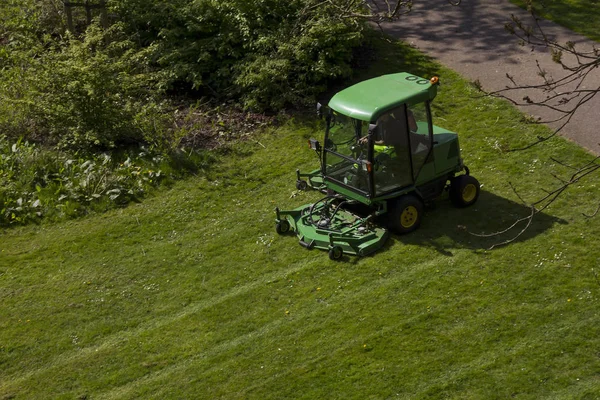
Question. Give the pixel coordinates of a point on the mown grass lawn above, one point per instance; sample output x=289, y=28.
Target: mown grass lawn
x=191, y=294
x=582, y=16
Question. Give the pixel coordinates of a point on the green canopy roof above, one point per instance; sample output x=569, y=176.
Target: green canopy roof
x=367, y=100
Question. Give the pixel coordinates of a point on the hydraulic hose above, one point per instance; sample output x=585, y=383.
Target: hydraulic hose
x=312, y=207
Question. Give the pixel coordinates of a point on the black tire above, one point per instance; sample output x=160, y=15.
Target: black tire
x=282, y=227
x=301, y=185
x=464, y=190
x=335, y=253
x=405, y=214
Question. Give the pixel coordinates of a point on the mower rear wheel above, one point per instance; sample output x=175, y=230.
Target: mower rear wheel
x=335, y=253
x=464, y=190
x=282, y=227
x=406, y=214
x=301, y=185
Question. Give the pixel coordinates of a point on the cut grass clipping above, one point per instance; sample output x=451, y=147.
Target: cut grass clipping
x=192, y=294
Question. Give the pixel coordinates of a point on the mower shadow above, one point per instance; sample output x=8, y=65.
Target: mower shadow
x=446, y=228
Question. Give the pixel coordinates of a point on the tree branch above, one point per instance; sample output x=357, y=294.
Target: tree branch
x=372, y=11
x=593, y=214
x=564, y=96
x=543, y=203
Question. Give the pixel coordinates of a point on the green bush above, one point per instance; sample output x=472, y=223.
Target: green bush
x=37, y=183
x=105, y=88
x=92, y=93
x=82, y=94
x=265, y=53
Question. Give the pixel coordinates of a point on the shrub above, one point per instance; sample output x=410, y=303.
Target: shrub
x=37, y=183
x=266, y=53
x=93, y=93
x=82, y=94
x=105, y=88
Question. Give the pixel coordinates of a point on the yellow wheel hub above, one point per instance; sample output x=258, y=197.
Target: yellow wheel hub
x=409, y=217
x=469, y=193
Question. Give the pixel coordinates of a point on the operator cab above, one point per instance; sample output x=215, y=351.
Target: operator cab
x=379, y=157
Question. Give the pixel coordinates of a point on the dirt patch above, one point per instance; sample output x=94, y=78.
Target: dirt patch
x=211, y=127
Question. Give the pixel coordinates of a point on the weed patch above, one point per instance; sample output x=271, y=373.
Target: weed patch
x=36, y=183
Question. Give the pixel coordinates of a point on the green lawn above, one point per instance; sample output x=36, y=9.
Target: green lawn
x=582, y=16
x=192, y=294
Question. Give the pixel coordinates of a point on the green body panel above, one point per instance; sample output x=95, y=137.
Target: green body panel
x=426, y=174
x=446, y=152
x=347, y=192
x=367, y=100
x=314, y=179
x=445, y=159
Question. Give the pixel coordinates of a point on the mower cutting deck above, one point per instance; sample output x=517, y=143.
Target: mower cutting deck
x=326, y=225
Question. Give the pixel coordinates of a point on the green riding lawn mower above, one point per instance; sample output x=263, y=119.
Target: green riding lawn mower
x=381, y=160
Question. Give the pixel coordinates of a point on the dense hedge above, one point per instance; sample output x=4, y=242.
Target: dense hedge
x=268, y=53
x=102, y=88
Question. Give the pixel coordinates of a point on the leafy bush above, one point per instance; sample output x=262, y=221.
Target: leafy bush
x=92, y=93
x=266, y=53
x=83, y=94
x=105, y=88
x=37, y=183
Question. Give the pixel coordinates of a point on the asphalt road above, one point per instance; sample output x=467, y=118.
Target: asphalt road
x=472, y=40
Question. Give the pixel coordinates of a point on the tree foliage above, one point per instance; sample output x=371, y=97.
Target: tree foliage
x=100, y=88
x=267, y=53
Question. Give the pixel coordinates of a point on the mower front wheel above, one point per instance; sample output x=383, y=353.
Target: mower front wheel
x=282, y=227
x=406, y=214
x=464, y=190
x=335, y=253
x=301, y=185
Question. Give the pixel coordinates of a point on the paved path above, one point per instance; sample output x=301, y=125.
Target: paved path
x=471, y=39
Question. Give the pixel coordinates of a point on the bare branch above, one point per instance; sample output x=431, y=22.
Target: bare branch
x=593, y=214
x=543, y=203
x=581, y=173
x=563, y=96
x=529, y=219
x=374, y=10
x=563, y=164
x=516, y=193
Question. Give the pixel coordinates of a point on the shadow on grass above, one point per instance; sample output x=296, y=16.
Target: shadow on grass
x=445, y=227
